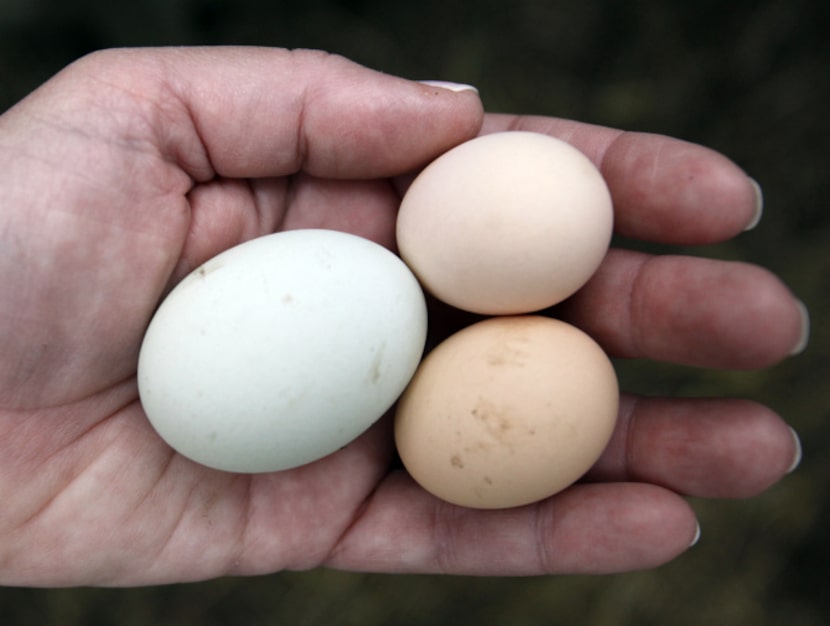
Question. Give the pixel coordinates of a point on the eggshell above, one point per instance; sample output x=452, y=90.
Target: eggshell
x=507, y=412
x=281, y=350
x=506, y=223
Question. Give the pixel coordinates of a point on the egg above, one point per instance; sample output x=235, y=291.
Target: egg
x=506, y=412
x=281, y=350
x=506, y=223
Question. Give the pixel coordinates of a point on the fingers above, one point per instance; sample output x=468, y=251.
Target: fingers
x=663, y=189
x=690, y=311
x=256, y=112
x=595, y=528
x=710, y=448
x=633, y=519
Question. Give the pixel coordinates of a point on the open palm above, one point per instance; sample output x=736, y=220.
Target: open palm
x=130, y=168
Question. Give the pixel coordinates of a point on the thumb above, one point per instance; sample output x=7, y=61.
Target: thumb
x=255, y=112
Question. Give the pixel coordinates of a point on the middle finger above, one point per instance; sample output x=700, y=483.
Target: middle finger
x=687, y=310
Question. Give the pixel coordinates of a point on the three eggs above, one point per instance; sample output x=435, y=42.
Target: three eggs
x=284, y=349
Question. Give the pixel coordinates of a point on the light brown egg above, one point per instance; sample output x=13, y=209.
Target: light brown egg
x=506, y=223
x=507, y=412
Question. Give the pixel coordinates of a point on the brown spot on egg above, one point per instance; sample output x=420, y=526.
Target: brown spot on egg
x=496, y=420
x=509, y=352
x=456, y=461
x=375, y=369
x=208, y=268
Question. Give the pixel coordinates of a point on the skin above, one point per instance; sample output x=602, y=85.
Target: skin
x=130, y=168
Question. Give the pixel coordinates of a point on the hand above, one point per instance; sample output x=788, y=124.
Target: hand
x=130, y=168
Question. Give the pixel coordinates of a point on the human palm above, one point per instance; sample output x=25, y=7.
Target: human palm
x=131, y=168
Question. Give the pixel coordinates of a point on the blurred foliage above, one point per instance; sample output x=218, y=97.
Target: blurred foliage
x=747, y=78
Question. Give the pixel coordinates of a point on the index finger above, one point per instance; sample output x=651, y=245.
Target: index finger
x=664, y=189
x=252, y=112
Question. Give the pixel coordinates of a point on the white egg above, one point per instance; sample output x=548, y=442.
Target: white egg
x=281, y=350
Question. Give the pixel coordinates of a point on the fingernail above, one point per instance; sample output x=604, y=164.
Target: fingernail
x=696, y=537
x=797, y=456
x=804, y=339
x=759, y=205
x=443, y=84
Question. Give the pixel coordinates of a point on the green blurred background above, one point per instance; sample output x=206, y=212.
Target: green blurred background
x=751, y=79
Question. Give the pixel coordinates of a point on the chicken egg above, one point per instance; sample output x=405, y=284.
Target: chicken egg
x=506, y=412
x=281, y=350
x=506, y=223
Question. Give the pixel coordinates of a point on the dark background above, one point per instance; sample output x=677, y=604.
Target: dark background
x=751, y=79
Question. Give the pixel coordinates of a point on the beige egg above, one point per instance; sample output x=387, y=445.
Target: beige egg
x=507, y=412
x=506, y=223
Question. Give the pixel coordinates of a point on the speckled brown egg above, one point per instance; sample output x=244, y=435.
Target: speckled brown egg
x=507, y=412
